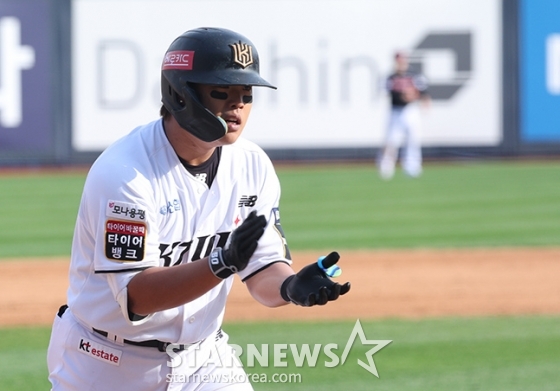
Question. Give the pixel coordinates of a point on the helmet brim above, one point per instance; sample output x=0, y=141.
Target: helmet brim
x=225, y=78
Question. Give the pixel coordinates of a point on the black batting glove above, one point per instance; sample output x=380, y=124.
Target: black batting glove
x=312, y=286
x=243, y=243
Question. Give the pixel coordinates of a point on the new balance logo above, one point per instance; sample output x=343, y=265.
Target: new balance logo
x=246, y=200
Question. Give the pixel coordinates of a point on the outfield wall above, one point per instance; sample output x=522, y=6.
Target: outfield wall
x=75, y=75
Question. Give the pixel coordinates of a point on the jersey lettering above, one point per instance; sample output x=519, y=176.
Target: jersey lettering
x=173, y=254
x=167, y=252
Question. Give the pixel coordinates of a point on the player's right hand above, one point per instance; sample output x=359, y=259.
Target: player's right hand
x=243, y=243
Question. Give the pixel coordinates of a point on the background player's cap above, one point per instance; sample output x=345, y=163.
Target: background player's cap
x=211, y=56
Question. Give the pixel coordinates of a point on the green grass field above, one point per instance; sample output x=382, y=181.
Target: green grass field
x=349, y=207
x=490, y=354
x=343, y=207
x=453, y=205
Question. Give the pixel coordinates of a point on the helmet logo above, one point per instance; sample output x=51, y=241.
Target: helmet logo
x=242, y=54
x=178, y=59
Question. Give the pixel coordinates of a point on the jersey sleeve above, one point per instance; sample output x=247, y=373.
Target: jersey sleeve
x=272, y=245
x=116, y=234
x=117, y=212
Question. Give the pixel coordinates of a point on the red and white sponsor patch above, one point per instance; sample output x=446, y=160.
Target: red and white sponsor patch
x=178, y=59
x=125, y=240
x=100, y=352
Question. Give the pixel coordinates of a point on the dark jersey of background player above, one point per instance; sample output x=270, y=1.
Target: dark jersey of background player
x=405, y=86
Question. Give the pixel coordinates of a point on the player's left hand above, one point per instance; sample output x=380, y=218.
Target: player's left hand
x=244, y=240
x=312, y=286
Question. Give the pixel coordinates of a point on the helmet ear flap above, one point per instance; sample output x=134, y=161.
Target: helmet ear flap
x=191, y=115
x=178, y=99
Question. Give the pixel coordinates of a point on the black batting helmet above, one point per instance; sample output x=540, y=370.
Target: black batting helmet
x=213, y=56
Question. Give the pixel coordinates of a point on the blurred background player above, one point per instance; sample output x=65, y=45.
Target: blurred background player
x=406, y=89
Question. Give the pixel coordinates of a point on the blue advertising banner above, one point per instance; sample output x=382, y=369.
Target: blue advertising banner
x=26, y=118
x=540, y=70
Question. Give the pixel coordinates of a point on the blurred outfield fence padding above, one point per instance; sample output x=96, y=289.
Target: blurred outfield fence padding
x=68, y=88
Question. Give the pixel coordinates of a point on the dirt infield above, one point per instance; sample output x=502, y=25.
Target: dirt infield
x=409, y=284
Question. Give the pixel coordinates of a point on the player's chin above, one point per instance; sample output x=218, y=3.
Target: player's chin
x=233, y=133
x=230, y=137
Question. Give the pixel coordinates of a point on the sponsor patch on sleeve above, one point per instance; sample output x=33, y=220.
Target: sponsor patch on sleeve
x=125, y=241
x=125, y=211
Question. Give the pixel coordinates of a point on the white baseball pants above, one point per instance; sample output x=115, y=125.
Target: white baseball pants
x=82, y=360
x=403, y=130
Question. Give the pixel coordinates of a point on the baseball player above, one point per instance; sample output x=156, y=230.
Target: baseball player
x=169, y=215
x=405, y=89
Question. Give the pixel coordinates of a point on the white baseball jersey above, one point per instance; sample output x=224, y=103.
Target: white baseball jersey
x=141, y=208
